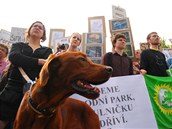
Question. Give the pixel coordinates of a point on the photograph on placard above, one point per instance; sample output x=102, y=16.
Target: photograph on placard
x=97, y=25
x=129, y=50
x=119, y=24
x=128, y=37
x=55, y=35
x=94, y=51
x=93, y=38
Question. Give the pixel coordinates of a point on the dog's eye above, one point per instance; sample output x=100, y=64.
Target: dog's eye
x=82, y=59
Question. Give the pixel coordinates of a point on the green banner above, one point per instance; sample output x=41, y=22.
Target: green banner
x=160, y=92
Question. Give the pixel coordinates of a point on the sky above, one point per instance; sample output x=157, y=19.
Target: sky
x=145, y=16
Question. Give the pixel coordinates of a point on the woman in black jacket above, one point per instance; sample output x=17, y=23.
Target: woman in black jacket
x=30, y=56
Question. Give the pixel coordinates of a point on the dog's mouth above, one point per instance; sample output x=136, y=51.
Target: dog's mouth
x=85, y=89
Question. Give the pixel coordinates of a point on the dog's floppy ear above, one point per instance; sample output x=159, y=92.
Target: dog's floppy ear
x=48, y=68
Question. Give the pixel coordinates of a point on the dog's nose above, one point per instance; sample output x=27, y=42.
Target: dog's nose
x=109, y=69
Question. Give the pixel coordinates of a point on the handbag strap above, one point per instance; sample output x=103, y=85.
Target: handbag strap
x=25, y=75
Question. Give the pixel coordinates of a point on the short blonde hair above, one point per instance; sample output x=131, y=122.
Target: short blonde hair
x=77, y=34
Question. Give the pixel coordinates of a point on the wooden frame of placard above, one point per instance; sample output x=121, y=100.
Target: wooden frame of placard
x=94, y=50
x=55, y=34
x=97, y=25
x=122, y=25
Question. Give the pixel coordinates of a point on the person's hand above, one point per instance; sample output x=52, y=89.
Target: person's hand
x=41, y=61
x=136, y=70
x=143, y=72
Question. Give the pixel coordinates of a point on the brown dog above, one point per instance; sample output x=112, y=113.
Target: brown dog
x=47, y=106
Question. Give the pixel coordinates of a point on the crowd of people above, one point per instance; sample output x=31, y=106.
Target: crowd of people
x=31, y=56
x=150, y=61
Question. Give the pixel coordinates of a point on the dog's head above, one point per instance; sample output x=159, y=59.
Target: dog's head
x=74, y=72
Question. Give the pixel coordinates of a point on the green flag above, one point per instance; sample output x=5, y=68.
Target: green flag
x=160, y=92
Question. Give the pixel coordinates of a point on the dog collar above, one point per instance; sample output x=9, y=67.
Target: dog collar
x=34, y=106
x=42, y=112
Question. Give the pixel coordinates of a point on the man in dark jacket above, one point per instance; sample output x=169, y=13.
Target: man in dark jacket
x=118, y=59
